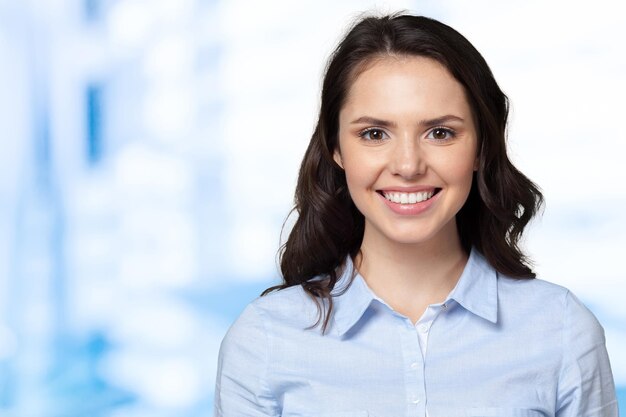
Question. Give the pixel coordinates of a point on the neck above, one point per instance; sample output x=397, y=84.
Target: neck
x=409, y=277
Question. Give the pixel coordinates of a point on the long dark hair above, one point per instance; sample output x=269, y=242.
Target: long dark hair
x=329, y=227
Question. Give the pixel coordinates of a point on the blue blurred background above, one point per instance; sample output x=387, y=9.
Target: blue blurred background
x=149, y=154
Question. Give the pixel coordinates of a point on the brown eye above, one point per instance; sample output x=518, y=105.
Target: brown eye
x=373, y=134
x=376, y=134
x=441, y=134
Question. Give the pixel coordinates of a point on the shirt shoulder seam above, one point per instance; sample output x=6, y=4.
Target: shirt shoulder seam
x=265, y=380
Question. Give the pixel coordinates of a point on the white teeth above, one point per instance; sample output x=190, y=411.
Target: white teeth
x=408, y=198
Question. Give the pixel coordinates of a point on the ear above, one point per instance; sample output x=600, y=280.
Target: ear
x=337, y=158
x=476, y=164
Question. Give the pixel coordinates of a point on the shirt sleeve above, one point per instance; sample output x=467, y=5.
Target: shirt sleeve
x=241, y=387
x=586, y=387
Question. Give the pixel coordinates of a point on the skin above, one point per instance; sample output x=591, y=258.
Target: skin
x=385, y=142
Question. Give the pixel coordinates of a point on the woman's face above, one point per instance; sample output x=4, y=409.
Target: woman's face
x=408, y=146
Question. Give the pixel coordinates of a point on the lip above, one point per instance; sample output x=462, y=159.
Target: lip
x=410, y=209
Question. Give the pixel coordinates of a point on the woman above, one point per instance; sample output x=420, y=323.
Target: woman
x=406, y=293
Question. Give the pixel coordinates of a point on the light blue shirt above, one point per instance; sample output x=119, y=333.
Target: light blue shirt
x=497, y=347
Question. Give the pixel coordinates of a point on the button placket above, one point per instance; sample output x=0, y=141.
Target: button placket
x=414, y=366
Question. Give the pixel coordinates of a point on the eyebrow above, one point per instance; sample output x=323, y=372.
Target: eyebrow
x=428, y=122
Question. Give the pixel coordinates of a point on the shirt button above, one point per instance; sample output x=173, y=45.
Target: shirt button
x=423, y=328
x=416, y=401
x=414, y=365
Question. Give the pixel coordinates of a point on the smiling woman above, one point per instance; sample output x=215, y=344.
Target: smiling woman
x=405, y=291
x=398, y=154
x=420, y=145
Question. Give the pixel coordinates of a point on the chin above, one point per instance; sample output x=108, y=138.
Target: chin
x=413, y=233
x=413, y=240
x=410, y=237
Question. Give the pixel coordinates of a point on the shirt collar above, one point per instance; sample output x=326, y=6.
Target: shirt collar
x=476, y=291
x=351, y=297
x=477, y=288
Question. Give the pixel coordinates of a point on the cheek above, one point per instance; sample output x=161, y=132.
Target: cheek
x=362, y=171
x=459, y=166
x=355, y=176
x=464, y=172
x=453, y=161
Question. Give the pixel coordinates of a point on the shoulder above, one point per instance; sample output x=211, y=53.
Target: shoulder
x=242, y=384
x=537, y=286
x=550, y=301
x=252, y=332
x=555, y=321
x=289, y=307
x=279, y=316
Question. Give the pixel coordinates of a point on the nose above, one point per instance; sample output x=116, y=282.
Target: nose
x=407, y=160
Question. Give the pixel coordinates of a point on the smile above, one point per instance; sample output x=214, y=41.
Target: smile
x=408, y=198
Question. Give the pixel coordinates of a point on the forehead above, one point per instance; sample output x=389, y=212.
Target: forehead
x=406, y=84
